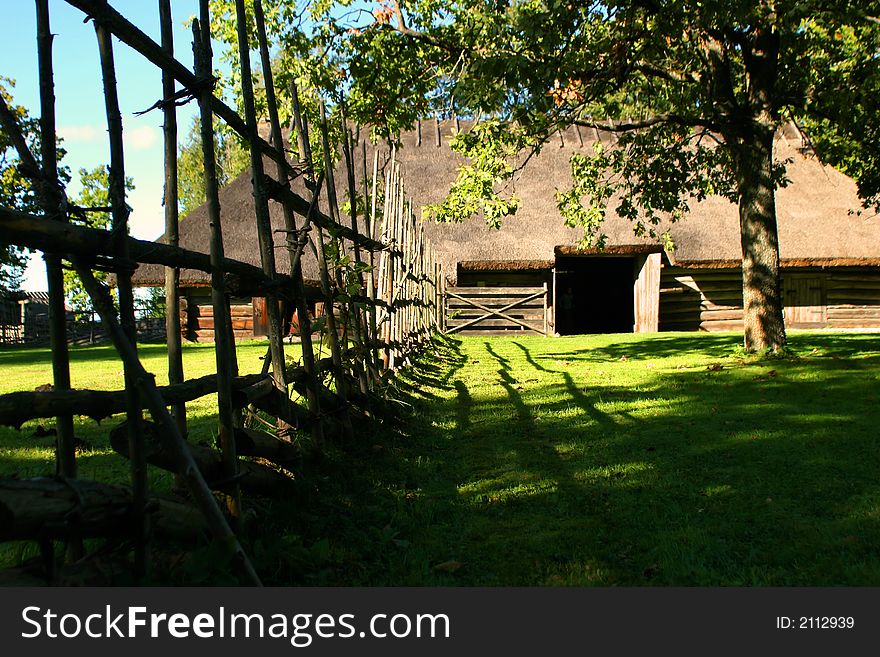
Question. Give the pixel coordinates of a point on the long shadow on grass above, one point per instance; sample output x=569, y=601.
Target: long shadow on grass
x=717, y=346
x=700, y=477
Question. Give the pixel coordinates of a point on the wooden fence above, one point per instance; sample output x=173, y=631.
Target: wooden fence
x=380, y=285
x=491, y=310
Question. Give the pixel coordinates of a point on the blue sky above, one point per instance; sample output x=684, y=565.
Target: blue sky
x=81, y=119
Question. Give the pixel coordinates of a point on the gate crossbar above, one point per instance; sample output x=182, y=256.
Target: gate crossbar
x=499, y=313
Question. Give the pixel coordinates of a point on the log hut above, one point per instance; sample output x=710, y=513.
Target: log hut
x=531, y=276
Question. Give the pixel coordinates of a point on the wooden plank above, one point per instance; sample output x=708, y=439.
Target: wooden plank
x=695, y=307
x=207, y=335
x=714, y=315
x=462, y=317
x=495, y=291
x=727, y=325
x=806, y=325
x=494, y=301
x=495, y=323
x=837, y=296
x=850, y=284
x=241, y=310
x=852, y=306
x=646, y=291
x=854, y=323
x=240, y=324
x=853, y=314
x=854, y=277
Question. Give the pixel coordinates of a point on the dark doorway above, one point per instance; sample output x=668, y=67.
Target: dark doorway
x=594, y=294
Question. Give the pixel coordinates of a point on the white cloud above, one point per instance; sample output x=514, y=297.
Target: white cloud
x=81, y=133
x=142, y=138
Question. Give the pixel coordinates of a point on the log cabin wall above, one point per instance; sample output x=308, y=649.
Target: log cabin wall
x=198, y=322
x=853, y=298
x=700, y=300
x=711, y=299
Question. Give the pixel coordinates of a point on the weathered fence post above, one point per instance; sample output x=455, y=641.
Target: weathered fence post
x=119, y=213
x=261, y=199
x=173, y=333
x=357, y=318
x=302, y=309
x=51, y=200
x=223, y=345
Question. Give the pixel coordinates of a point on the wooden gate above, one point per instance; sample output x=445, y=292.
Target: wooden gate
x=496, y=309
x=805, y=305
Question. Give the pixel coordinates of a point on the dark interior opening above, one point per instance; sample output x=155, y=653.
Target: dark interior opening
x=594, y=294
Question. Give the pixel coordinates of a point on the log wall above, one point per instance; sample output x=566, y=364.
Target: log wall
x=711, y=299
x=197, y=319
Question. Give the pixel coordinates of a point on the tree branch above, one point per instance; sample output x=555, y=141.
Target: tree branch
x=657, y=119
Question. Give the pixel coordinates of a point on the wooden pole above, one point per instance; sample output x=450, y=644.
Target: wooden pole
x=335, y=352
x=545, y=308
x=119, y=212
x=302, y=309
x=305, y=151
x=51, y=200
x=261, y=199
x=223, y=345
x=173, y=335
x=35, y=232
x=333, y=209
x=358, y=320
x=371, y=232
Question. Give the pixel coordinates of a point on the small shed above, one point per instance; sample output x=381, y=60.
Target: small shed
x=24, y=317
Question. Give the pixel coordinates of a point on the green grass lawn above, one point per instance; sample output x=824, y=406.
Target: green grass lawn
x=595, y=460
x=623, y=460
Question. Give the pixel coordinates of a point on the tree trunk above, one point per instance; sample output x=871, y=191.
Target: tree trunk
x=762, y=295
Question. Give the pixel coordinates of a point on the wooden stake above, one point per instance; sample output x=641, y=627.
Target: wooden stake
x=302, y=309
x=50, y=198
x=335, y=353
x=305, y=149
x=119, y=212
x=173, y=336
x=261, y=202
x=358, y=320
x=223, y=346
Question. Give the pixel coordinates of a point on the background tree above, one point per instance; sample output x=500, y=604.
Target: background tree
x=231, y=159
x=16, y=190
x=94, y=194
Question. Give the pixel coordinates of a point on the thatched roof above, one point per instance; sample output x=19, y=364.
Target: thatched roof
x=819, y=216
